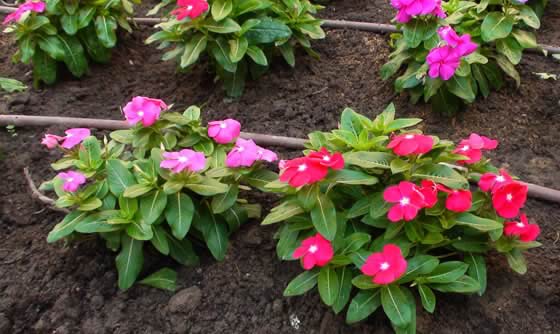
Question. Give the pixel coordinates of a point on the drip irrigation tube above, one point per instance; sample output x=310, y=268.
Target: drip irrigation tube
x=535, y=191
x=334, y=24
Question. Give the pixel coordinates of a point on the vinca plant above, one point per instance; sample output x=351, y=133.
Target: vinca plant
x=239, y=37
x=166, y=185
x=380, y=214
x=68, y=31
x=454, y=51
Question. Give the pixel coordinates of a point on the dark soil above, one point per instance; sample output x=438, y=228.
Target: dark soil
x=72, y=288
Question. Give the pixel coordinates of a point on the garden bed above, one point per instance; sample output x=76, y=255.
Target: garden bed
x=46, y=288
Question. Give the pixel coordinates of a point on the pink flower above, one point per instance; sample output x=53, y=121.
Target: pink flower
x=316, y=251
x=301, y=171
x=281, y=164
x=410, y=143
x=143, y=109
x=459, y=200
x=409, y=8
x=409, y=200
x=522, y=229
x=509, y=199
x=185, y=159
x=491, y=181
x=243, y=154
x=29, y=6
x=385, y=267
x=224, y=132
x=266, y=155
x=190, y=8
x=74, y=137
x=472, y=148
x=462, y=45
x=324, y=158
x=72, y=180
x=51, y=141
x=443, y=62
x=438, y=11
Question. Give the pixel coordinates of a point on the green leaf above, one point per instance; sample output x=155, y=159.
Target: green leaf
x=362, y=305
x=208, y=187
x=221, y=9
x=427, y=297
x=179, y=214
x=53, y=46
x=220, y=51
x=477, y=270
x=496, y=25
x=328, y=285
x=287, y=51
x=323, y=216
x=344, y=275
x=302, y=283
x=447, y=272
x=74, y=56
x=44, y=67
x=354, y=177
x=395, y=305
x=137, y=190
x=237, y=49
x=69, y=23
x=224, y=201
x=268, y=31
x=129, y=261
x=234, y=83
x=461, y=87
x=464, y=284
x=516, y=261
x=90, y=204
x=508, y=68
x=165, y=279
x=282, y=212
x=257, y=55
x=354, y=242
x=193, y=49
x=66, y=226
x=159, y=240
x=478, y=223
x=139, y=230
x=418, y=31
x=529, y=17
x=105, y=28
x=152, y=206
x=182, y=251
x=85, y=15
x=510, y=48
x=525, y=39
x=217, y=238
x=364, y=282
x=441, y=174
x=369, y=159
x=223, y=27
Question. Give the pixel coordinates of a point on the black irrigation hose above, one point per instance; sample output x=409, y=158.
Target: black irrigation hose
x=337, y=24
x=535, y=191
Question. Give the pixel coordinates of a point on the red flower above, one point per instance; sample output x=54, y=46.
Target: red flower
x=409, y=201
x=324, y=158
x=385, y=267
x=302, y=171
x=509, y=199
x=430, y=191
x=472, y=147
x=459, y=200
x=410, y=143
x=316, y=251
x=490, y=181
x=190, y=8
x=522, y=229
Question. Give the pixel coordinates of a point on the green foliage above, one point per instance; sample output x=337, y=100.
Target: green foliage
x=241, y=38
x=444, y=250
x=12, y=85
x=138, y=207
x=502, y=30
x=71, y=32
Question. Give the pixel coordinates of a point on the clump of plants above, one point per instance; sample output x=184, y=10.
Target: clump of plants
x=166, y=185
x=240, y=38
x=72, y=32
x=454, y=51
x=380, y=214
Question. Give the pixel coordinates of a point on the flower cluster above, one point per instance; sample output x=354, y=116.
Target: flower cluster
x=310, y=169
x=407, y=9
x=73, y=137
x=473, y=146
x=29, y=6
x=445, y=60
x=190, y=8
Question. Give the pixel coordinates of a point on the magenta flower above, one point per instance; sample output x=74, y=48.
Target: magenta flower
x=29, y=6
x=385, y=267
x=438, y=11
x=443, y=62
x=409, y=8
x=266, y=155
x=243, y=154
x=473, y=146
x=315, y=251
x=74, y=137
x=72, y=180
x=522, y=229
x=461, y=44
x=408, y=201
x=411, y=143
x=185, y=159
x=143, y=109
x=491, y=181
x=224, y=132
x=190, y=8
x=51, y=141
x=459, y=200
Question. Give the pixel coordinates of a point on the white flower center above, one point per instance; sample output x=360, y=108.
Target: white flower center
x=302, y=168
x=520, y=225
x=68, y=135
x=189, y=7
x=405, y=201
x=183, y=159
x=465, y=148
x=509, y=197
x=70, y=179
x=500, y=178
x=223, y=125
x=384, y=266
x=240, y=149
x=409, y=137
x=326, y=158
x=313, y=249
x=141, y=113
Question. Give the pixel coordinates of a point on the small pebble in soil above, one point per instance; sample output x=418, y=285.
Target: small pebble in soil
x=294, y=321
x=185, y=300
